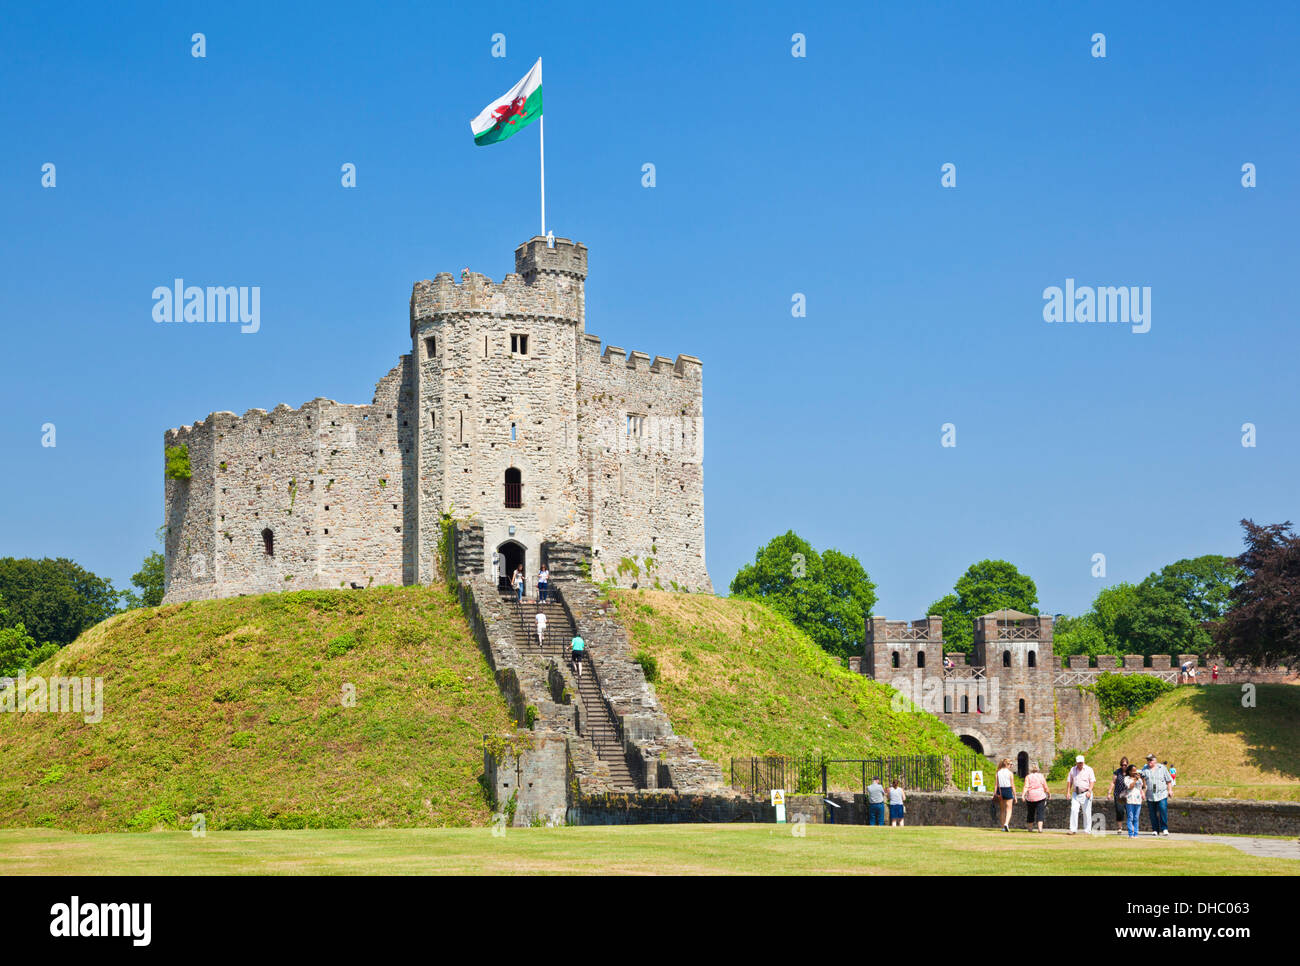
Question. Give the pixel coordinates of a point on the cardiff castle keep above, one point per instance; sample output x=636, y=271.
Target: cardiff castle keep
x=506, y=413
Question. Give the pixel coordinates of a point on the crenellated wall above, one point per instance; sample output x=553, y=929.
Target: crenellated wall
x=327, y=481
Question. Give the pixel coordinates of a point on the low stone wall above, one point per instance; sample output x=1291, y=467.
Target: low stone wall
x=1218, y=817
x=668, y=808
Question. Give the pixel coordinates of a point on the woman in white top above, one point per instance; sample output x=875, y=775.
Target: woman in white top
x=1133, y=790
x=541, y=629
x=896, y=799
x=1006, y=785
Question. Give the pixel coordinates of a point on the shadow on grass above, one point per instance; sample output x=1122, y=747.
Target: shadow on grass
x=1269, y=729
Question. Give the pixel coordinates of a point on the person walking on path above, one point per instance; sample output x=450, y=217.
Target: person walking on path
x=543, y=583
x=1156, y=778
x=1214, y=674
x=896, y=800
x=875, y=802
x=1035, y=796
x=1133, y=786
x=517, y=581
x=1119, y=790
x=541, y=629
x=1006, y=794
x=1078, y=786
x=576, y=648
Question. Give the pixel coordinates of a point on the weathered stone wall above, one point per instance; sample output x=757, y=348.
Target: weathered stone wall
x=1079, y=716
x=326, y=480
x=641, y=426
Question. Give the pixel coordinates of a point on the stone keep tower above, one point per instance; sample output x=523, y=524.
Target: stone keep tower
x=506, y=413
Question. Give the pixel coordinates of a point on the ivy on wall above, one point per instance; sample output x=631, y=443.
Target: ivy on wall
x=177, y=462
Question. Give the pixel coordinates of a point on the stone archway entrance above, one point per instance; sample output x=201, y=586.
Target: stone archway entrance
x=973, y=740
x=1022, y=764
x=515, y=557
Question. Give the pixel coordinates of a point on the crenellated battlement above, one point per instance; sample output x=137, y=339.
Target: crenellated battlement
x=547, y=283
x=616, y=356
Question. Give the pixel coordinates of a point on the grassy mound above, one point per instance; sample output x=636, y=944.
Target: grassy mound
x=741, y=680
x=1220, y=748
x=239, y=710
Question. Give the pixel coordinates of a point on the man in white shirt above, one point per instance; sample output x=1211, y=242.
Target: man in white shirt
x=1078, y=786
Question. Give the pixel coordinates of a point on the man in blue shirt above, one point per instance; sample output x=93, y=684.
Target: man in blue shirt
x=1158, y=780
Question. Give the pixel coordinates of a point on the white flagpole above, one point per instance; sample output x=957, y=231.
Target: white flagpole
x=541, y=146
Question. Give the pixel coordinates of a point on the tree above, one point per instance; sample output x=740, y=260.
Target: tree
x=55, y=599
x=985, y=587
x=1262, y=623
x=826, y=595
x=18, y=649
x=150, y=581
x=1078, y=635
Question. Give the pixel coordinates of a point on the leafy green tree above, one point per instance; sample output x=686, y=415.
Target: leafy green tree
x=985, y=587
x=826, y=595
x=55, y=599
x=1202, y=584
x=1112, y=613
x=150, y=582
x=1078, y=635
x=18, y=649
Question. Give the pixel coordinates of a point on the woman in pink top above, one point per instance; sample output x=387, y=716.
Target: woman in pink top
x=1035, y=796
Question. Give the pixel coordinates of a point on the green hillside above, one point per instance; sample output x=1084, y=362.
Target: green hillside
x=742, y=680
x=236, y=709
x=1221, y=749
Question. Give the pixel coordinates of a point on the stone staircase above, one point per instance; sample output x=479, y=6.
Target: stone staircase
x=597, y=723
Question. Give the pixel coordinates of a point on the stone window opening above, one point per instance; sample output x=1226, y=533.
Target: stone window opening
x=1022, y=706
x=514, y=489
x=1006, y=659
x=894, y=659
x=1022, y=764
x=920, y=658
x=979, y=703
x=518, y=344
x=965, y=704
x=513, y=434
x=268, y=542
x=431, y=347
x=1033, y=659
x=947, y=704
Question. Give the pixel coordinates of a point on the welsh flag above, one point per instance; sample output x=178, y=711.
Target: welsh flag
x=512, y=111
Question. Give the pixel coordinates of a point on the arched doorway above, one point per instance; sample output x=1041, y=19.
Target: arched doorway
x=1022, y=764
x=973, y=744
x=514, y=558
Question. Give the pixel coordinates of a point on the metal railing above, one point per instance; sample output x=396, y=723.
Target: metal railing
x=811, y=773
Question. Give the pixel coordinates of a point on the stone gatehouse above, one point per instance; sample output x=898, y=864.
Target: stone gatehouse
x=1013, y=699
x=505, y=411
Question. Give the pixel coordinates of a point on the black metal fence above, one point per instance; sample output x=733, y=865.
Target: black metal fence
x=812, y=773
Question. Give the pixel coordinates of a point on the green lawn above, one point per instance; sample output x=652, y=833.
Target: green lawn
x=643, y=849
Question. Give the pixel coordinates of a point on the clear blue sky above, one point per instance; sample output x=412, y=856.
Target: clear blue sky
x=776, y=175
